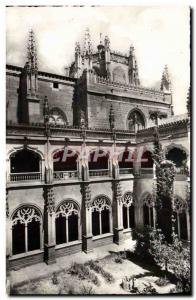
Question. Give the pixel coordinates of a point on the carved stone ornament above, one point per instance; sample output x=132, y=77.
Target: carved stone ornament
x=179, y=205
x=25, y=215
x=67, y=209
x=117, y=191
x=148, y=200
x=86, y=194
x=127, y=200
x=49, y=200
x=100, y=203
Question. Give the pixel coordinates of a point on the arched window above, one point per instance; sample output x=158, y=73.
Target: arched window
x=125, y=162
x=136, y=121
x=67, y=222
x=101, y=210
x=57, y=117
x=148, y=211
x=128, y=211
x=180, y=216
x=179, y=158
x=26, y=230
x=98, y=163
x=25, y=165
x=65, y=164
x=119, y=75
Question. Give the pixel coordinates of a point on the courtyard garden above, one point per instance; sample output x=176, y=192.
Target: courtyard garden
x=142, y=270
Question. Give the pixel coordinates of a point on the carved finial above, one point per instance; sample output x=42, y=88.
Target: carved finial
x=107, y=42
x=32, y=53
x=87, y=42
x=112, y=118
x=165, y=80
x=133, y=67
x=77, y=48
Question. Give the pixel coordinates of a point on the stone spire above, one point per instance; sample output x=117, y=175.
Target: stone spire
x=32, y=54
x=78, y=60
x=31, y=65
x=165, y=81
x=31, y=71
x=87, y=51
x=133, y=68
x=87, y=43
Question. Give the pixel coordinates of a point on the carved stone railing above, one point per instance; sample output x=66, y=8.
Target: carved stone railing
x=123, y=171
x=99, y=173
x=33, y=176
x=64, y=175
x=140, y=89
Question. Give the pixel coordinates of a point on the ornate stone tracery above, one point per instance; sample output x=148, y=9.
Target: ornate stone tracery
x=67, y=208
x=25, y=215
x=100, y=203
x=179, y=205
x=148, y=200
x=128, y=200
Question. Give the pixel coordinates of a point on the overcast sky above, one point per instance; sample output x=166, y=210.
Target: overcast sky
x=160, y=35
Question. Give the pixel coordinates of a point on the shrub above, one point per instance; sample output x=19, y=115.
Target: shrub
x=82, y=271
x=162, y=281
x=118, y=259
x=97, y=268
x=87, y=290
x=149, y=289
x=55, y=278
x=142, y=247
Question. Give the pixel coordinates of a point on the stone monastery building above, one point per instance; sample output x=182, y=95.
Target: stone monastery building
x=80, y=172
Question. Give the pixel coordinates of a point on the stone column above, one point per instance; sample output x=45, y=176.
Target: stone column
x=49, y=225
x=117, y=212
x=86, y=215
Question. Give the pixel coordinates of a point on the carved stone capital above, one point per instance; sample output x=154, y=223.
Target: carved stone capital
x=117, y=189
x=49, y=199
x=86, y=194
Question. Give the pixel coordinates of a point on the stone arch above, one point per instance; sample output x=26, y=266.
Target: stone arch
x=128, y=210
x=181, y=217
x=22, y=147
x=101, y=215
x=148, y=209
x=136, y=120
x=67, y=221
x=27, y=228
x=178, y=146
x=75, y=202
x=57, y=116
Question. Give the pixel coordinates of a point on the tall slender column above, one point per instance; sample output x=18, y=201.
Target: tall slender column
x=49, y=225
x=86, y=215
x=117, y=212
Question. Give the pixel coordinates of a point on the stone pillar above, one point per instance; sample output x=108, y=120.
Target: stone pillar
x=117, y=212
x=86, y=215
x=49, y=225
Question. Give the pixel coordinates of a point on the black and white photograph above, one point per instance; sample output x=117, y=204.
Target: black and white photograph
x=98, y=150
